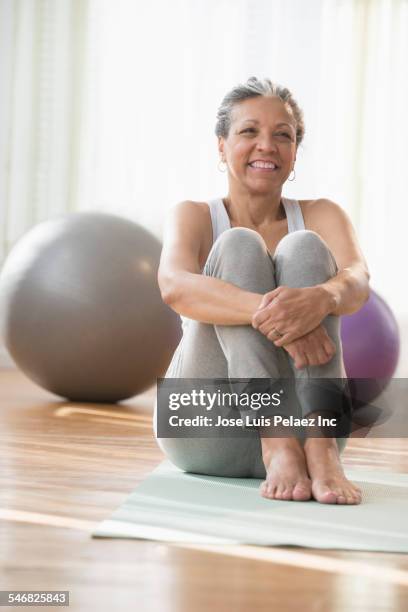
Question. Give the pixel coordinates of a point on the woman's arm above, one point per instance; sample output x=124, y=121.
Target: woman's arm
x=183, y=287
x=349, y=289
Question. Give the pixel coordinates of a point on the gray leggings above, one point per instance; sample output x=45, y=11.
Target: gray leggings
x=240, y=256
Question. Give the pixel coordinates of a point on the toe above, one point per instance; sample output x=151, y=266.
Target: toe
x=279, y=492
x=326, y=496
x=351, y=493
x=268, y=490
x=356, y=498
x=264, y=489
x=301, y=492
x=357, y=493
x=287, y=493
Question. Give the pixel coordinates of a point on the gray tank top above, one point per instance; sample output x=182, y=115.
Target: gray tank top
x=220, y=223
x=220, y=220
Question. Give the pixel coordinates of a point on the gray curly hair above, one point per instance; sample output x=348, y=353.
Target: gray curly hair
x=251, y=89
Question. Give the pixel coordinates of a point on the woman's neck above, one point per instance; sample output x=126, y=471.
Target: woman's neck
x=251, y=210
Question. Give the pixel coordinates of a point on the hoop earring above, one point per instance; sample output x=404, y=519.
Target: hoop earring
x=294, y=175
x=222, y=169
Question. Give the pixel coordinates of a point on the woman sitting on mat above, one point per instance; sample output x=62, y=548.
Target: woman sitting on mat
x=261, y=281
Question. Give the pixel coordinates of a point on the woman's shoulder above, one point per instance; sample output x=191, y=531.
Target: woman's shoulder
x=192, y=207
x=191, y=212
x=316, y=204
x=321, y=212
x=193, y=215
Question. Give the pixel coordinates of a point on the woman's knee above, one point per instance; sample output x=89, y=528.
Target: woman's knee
x=240, y=242
x=304, y=256
x=240, y=256
x=304, y=238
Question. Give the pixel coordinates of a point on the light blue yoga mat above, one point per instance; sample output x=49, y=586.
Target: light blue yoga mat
x=171, y=505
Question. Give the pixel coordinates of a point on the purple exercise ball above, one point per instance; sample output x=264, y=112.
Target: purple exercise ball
x=371, y=344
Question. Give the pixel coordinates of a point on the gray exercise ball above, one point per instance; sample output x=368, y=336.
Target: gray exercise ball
x=80, y=308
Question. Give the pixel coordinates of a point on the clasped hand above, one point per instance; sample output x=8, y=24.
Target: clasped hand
x=291, y=318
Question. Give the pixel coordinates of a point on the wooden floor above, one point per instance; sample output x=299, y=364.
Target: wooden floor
x=65, y=467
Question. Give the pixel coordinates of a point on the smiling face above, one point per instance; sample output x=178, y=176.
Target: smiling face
x=260, y=149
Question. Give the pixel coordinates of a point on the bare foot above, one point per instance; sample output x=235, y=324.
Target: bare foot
x=286, y=473
x=329, y=484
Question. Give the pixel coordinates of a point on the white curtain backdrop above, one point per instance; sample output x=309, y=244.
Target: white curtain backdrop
x=41, y=76
x=111, y=106
x=362, y=133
